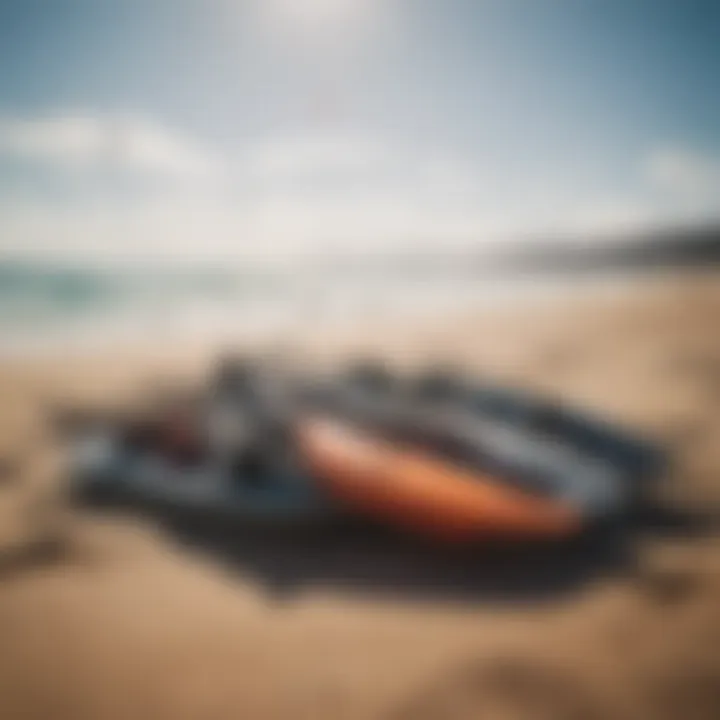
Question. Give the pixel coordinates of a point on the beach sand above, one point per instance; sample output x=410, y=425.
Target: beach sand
x=119, y=620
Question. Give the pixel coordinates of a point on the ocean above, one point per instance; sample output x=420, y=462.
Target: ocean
x=46, y=306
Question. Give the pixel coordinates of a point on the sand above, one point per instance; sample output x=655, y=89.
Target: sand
x=116, y=618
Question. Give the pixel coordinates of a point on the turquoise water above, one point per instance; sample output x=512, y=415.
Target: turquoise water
x=46, y=305
x=43, y=304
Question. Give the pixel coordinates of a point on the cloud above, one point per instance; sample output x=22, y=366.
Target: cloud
x=280, y=195
x=672, y=185
x=306, y=157
x=151, y=147
x=284, y=196
x=72, y=140
x=89, y=142
x=685, y=173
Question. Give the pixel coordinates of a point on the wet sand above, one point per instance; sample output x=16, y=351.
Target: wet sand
x=122, y=619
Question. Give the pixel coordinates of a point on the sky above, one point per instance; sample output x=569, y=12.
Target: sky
x=272, y=129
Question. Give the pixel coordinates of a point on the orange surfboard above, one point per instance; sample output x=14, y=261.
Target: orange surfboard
x=416, y=491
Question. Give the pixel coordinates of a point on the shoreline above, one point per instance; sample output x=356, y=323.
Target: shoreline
x=505, y=296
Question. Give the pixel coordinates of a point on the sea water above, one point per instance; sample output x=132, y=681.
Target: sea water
x=45, y=306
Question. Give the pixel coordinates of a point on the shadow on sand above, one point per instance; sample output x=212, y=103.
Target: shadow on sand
x=365, y=559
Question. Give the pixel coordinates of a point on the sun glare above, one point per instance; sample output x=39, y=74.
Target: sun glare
x=317, y=20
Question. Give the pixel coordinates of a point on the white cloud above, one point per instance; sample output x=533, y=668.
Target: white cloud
x=105, y=232
x=87, y=141
x=151, y=147
x=674, y=186
x=281, y=197
x=685, y=174
x=75, y=140
x=304, y=157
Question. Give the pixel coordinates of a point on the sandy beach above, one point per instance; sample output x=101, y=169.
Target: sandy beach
x=122, y=620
